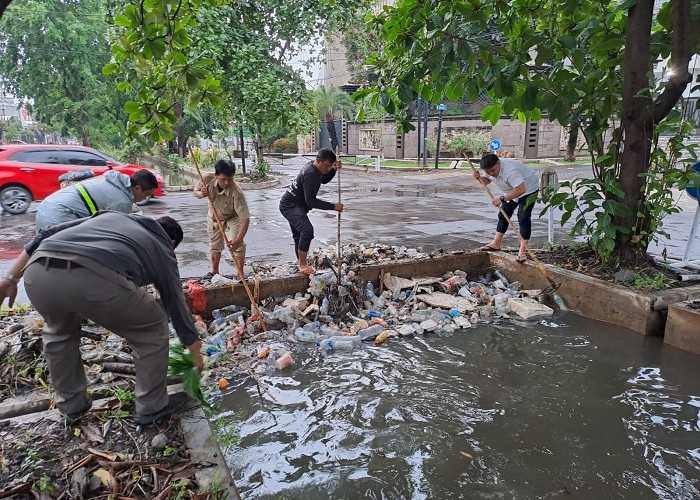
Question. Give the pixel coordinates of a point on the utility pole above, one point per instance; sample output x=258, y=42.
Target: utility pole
x=419, y=114
x=441, y=108
x=425, y=136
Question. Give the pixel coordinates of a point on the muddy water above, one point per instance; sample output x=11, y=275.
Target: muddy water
x=564, y=408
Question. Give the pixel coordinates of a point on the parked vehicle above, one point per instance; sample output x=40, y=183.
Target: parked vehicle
x=29, y=172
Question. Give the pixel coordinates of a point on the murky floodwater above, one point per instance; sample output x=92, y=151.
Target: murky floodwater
x=563, y=408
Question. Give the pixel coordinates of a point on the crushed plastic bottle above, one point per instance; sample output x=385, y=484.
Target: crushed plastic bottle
x=324, y=306
x=340, y=343
x=370, y=333
x=308, y=336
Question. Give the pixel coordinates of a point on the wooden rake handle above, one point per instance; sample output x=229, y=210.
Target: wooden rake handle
x=239, y=267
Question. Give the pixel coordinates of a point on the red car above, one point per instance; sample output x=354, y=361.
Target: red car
x=29, y=172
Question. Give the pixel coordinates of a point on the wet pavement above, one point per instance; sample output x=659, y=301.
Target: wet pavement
x=428, y=210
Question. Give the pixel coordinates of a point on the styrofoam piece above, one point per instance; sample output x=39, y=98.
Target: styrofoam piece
x=525, y=307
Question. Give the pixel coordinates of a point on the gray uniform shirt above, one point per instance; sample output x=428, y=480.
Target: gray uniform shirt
x=133, y=246
x=111, y=191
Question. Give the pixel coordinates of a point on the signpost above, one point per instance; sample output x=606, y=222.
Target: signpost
x=495, y=145
x=441, y=109
x=419, y=113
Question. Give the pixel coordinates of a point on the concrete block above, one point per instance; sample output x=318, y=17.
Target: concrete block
x=683, y=326
x=525, y=307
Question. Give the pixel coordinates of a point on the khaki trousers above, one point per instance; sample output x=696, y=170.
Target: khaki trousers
x=65, y=296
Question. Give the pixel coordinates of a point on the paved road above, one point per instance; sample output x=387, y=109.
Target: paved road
x=427, y=210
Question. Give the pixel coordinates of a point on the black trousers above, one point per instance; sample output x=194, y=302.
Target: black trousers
x=524, y=214
x=302, y=230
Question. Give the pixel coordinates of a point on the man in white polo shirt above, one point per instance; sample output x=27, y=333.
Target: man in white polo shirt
x=519, y=185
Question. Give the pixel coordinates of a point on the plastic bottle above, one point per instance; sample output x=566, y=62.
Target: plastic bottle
x=381, y=337
x=397, y=290
x=200, y=326
x=559, y=301
x=324, y=306
x=306, y=335
x=340, y=343
x=371, y=332
x=314, y=326
x=500, y=276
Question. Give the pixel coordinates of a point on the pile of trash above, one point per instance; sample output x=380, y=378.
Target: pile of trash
x=326, y=258
x=343, y=316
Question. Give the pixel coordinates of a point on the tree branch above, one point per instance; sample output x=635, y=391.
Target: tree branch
x=680, y=59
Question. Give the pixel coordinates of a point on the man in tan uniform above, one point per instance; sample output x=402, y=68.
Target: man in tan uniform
x=229, y=202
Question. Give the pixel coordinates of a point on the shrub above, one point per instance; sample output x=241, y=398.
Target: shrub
x=280, y=146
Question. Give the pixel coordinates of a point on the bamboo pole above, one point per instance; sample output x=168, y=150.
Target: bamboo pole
x=340, y=248
x=239, y=266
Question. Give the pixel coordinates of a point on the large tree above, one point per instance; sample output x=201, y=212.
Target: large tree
x=235, y=56
x=51, y=55
x=579, y=61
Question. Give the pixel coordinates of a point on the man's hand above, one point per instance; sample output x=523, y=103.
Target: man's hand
x=338, y=207
x=496, y=202
x=476, y=174
x=338, y=164
x=196, y=349
x=204, y=191
x=234, y=244
x=8, y=289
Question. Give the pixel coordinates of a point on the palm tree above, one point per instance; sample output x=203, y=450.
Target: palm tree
x=331, y=102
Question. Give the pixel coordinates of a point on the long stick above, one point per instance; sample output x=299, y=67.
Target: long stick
x=510, y=222
x=340, y=249
x=239, y=267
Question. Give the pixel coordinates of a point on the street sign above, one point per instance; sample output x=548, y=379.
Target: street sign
x=495, y=145
x=694, y=192
x=442, y=107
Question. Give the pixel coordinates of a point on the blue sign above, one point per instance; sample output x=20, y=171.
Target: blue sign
x=495, y=145
x=694, y=192
x=442, y=107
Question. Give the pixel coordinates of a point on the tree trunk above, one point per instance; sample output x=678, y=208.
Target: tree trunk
x=181, y=136
x=637, y=126
x=330, y=126
x=258, y=145
x=573, y=140
x=640, y=114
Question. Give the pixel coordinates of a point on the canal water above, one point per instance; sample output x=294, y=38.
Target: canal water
x=560, y=408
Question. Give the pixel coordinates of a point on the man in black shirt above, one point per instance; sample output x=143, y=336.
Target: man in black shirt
x=300, y=197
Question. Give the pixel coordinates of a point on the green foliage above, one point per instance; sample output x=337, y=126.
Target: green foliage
x=650, y=283
x=233, y=56
x=181, y=362
x=332, y=102
x=58, y=68
x=261, y=170
x=564, y=60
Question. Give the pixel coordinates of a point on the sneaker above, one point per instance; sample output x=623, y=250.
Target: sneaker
x=176, y=402
x=70, y=418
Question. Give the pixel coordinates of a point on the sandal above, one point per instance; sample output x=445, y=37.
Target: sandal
x=521, y=259
x=489, y=248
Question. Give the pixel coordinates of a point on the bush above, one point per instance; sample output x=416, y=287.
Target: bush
x=280, y=146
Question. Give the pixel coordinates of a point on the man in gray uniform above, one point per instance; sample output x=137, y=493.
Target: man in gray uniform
x=111, y=191
x=95, y=268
